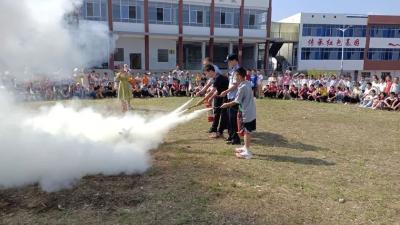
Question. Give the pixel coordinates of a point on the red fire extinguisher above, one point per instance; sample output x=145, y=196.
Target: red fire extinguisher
x=210, y=114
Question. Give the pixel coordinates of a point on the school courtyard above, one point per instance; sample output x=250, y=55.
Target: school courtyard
x=314, y=164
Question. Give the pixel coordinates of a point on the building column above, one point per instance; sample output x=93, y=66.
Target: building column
x=212, y=24
x=180, y=38
x=110, y=29
x=256, y=56
x=240, y=46
x=367, y=44
x=146, y=35
x=230, y=50
x=203, y=50
x=268, y=36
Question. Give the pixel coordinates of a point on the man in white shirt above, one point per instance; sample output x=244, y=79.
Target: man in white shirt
x=333, y=81
x=233, y=64
x=260, y=83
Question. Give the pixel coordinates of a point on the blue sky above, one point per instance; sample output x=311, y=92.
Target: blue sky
x=285, y=8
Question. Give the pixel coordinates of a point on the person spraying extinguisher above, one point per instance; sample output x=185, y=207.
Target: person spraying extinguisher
x=220, y=116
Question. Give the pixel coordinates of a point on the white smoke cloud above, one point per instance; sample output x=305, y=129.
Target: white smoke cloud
x=58, y=145
x=35, y=37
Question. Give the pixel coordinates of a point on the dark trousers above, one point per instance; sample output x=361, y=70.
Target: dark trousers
x=220, y=116
x=232, y=123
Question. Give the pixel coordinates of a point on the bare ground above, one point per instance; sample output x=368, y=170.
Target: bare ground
x=314, y=164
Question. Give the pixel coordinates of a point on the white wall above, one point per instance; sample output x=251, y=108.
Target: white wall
x=163, y=29
x=199, y=31
x=313, y=42
x=128, y=27
x=226, y=32
x=329, y=18
x=130, y=45
x=330, y=65
x=252, y=33
x=384, y=43
x=156, y=44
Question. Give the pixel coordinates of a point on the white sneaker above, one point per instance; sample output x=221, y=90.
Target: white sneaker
x=239, y=150
x=244, y=155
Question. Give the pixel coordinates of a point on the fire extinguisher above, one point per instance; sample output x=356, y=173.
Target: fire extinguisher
x=210, y=114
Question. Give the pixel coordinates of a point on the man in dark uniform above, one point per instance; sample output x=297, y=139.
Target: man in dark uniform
x=219, y=85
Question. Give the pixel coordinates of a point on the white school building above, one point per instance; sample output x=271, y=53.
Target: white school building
x=158, y=35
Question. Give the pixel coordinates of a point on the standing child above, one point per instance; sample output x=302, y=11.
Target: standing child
x=247, y=112
x=124, y=91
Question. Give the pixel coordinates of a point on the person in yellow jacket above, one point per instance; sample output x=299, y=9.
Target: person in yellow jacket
x=322, y=93
x=124, y=89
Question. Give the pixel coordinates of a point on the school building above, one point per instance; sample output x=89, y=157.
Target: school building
x=157, y=35
x=370, y=43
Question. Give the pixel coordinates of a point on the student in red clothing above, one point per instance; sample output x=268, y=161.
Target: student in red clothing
x=332, y=94
x=379, y=102
x=311, y=93
x=248, y=75
x=389, y=101
x=388, y=85
x=271, y=91
x=175, y=88
x=294, y=92
x=303, y=92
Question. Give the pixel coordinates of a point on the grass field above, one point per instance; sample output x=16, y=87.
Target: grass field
x=307, y=157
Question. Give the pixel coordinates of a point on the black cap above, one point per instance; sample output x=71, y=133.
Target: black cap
x=231, y=57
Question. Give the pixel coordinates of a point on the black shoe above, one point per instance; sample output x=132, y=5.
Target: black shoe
x=228, y=139
x=229, y=142
x=236, y=142
x=210, y=131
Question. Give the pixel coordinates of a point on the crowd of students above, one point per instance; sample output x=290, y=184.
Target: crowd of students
x=376, y=93
x=90, y=85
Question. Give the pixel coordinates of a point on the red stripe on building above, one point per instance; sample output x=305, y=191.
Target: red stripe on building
x=146, y=35
x=111, y=29
x=212, y=25
x=268, y=36
x=240, y=45
x=180, y=39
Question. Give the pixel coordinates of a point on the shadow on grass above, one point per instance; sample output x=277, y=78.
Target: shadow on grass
x=297, y=160
x=275, y=140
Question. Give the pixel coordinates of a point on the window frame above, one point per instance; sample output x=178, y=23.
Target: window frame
x=163, y=54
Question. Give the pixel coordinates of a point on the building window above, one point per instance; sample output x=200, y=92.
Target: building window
x=127, y=11
x=223, y=22
x=385, y=31
x=163, y=13
x=119, y=54
x=226, y=17
x=132, y=12
x=160, y=14
x=162, y=55
x=195, y=15
x=252, y=20
x=384, y=54
x=332, y=54
x=89, y=9
x=199, y=17
x=332, y=30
